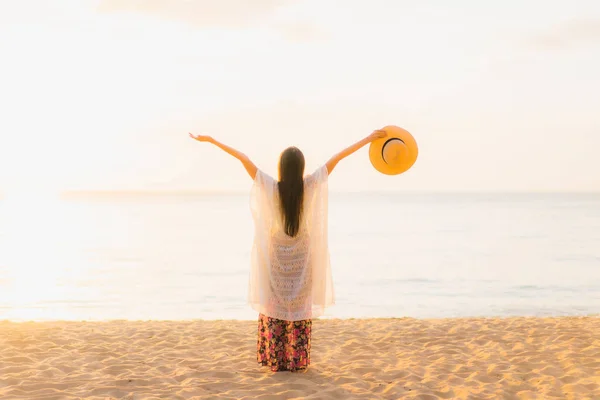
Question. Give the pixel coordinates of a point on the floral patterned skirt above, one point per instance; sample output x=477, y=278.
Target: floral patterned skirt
x=283, y=345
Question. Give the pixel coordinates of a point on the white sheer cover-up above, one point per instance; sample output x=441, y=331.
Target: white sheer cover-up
x=290, y=277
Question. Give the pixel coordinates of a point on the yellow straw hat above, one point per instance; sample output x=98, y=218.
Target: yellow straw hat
x=395, y=153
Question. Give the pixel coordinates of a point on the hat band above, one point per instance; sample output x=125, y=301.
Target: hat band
x=385, y=144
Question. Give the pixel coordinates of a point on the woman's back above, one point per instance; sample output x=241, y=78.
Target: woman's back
x=291, y=274
x=290, y=266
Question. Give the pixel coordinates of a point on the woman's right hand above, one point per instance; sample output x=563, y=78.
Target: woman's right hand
x=377, y=134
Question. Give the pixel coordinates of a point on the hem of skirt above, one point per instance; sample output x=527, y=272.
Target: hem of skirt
x=278, y=368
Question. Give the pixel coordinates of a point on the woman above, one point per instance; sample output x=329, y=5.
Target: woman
x=290, y=278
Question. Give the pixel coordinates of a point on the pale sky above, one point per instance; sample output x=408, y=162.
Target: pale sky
x=101, y=94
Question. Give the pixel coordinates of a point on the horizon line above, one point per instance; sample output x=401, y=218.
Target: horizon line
x=188, y=192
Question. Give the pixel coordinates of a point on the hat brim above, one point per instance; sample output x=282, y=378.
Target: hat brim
x=408, y=151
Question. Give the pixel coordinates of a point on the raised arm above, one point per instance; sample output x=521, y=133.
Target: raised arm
x=349, y=150
x=249, y=165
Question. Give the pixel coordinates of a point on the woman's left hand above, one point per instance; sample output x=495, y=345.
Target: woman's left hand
x=201, y=138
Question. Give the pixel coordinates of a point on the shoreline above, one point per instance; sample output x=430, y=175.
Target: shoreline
x=322, y=318
x=387, y=358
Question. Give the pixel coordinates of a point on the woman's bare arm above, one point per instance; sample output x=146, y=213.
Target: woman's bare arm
x=349, y=150
x=248, y=165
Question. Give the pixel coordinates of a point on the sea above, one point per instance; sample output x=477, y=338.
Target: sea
x=174, y=256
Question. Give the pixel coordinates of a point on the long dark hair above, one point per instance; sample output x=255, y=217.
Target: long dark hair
x=291, y=189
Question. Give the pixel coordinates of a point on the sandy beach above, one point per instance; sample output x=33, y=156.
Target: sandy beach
x=405, y=358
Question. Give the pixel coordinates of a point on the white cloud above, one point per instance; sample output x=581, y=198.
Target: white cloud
x=574, y=32
x=199, y=13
